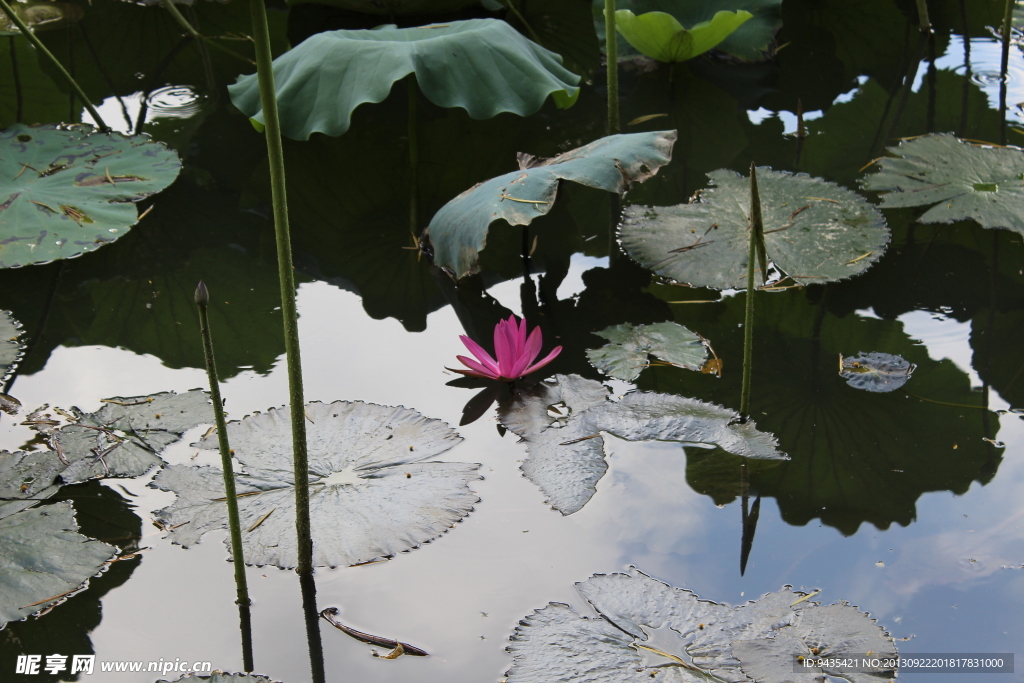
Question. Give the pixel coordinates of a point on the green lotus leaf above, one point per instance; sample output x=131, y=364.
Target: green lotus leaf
x=878, y=372
x=482, y=65
x=10, y=346
x=566, y=455
x=646, y=629
x=965, y=181
x=43, y=558
x=67, y=191
x=659, y=36
x=630, y=346
x=752, y=42
x=459, y=230
x=371, y=493
x=815, y=231
x=40, y=16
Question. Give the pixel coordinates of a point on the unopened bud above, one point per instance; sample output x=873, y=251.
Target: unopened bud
x=202, y=296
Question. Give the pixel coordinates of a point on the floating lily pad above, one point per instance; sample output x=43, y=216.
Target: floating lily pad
x=371, y=492
x=26, y=478
x=565, y=446
x=660, y=36
x=43, y=558
x=459, y=230
x=67, y=191
x=394, y=8
x=11, y=347
x=879, y=372
x=482, y=65
x=221, y=677
x=965, y=181
x=815, y=231
x=630, y=346
x=40, y=16
x=647, y=629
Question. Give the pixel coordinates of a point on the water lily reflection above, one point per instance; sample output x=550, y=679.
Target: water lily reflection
x=515, y=352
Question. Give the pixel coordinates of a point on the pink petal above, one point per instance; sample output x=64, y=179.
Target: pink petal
x=547, y=359
x=521, y=338
x=504, y=346
x=527, y=353
x=476, y=369
x=480, y=353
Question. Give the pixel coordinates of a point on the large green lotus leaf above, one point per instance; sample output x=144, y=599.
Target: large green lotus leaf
x=965, y=181
x=659, y=36
x=815, y=231
x=43, y=558
x=67, y=191
x=566, y=454
x=482, y=65
x=124, y=438
x=646, y=629
x=753, y=41
x=40, y=16
x=630, y=346
x=372, y=492
x=459, y=230
x=10, y=345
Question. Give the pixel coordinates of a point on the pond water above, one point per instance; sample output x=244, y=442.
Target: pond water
x=907, y=504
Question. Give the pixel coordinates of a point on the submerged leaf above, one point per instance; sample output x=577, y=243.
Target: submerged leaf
x=814, y=231
x=695, y=640
x=43, y=558
x=458, y=231
x=566, y=455
x=660, y=36
x=371, y=493
x=11, y=347
x=481, y=65
x=67, y=191
x=965, y=181
x=880, y=372
x=630, y=346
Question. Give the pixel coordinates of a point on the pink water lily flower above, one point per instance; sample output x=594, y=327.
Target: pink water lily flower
x=515, y=351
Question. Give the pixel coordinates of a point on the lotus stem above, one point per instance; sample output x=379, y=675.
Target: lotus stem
x=190, y=30
x=924, y=23
x=286, y=276
x=38, y=44
x=1007, y=32
x=611, y=49
x=203, y=301
x=756, y=228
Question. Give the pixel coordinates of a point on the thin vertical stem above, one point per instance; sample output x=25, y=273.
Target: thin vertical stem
x=611, y=48
x=756, y=227
x=203, y=301
x=1007, y=30
x=38, y=44
x=275, y=150
x=924, y=23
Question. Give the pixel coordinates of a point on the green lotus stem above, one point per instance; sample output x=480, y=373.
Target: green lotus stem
x=38, y=44
x=924, y=22
x=203, y=301
x=286, y=276
x=1007, y=30
x=611, y=48
x=414, y=162
x=756, y=228
x=183, y=22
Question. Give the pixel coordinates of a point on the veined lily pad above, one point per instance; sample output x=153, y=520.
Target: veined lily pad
x=371, y=493
x=66, y=191
x=43, y=558
x=879, y=372
x=26, y=477
x=815, y=231
x=40, y=16
x=965, y=181
x=648, y=629
x=459, y=230
x=630, y=346
x=482, y=65
x=10, y=346
x=566, y=455
x=660, y=36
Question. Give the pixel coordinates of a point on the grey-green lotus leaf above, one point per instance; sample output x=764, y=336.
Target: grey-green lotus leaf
x=373, y=490
x=458, y=231
x=964, y=180
x=878, y=372
x=43, y=558
x=11, y=346
x=67, y=191
x=565, y=446
x=648, y=629
x=222, y=677
x=815, y=231
x=482, y=65
x=630, y=346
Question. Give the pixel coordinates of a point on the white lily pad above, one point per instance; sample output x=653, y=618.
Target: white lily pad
x=631, y=345
x=686, y=639
x=43, y=558
x=566, y=449
x=373, y=492
x=879, y=372
x=964, y=180
x=67, y=191
x=11, y=346
x=814, y=231
x=458, y=231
